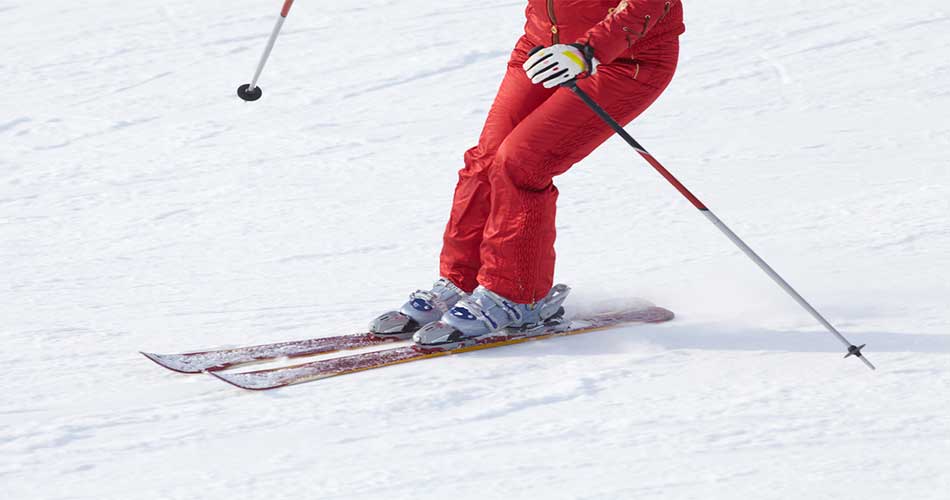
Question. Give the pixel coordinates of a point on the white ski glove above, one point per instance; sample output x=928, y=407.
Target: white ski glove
x=561, y=63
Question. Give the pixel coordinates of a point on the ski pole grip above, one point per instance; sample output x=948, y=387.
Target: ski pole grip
x=569, y=84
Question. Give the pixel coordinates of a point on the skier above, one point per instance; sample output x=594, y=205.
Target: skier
x=497, y=259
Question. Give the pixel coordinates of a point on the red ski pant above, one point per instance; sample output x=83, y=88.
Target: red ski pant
x=501, y=230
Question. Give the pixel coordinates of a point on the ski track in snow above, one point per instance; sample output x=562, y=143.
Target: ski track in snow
x=144, y=207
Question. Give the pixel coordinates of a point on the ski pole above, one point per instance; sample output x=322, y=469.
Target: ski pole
x=250, y=91
x=853, y=350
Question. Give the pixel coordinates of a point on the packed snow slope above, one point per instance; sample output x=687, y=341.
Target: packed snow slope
x=144, y=207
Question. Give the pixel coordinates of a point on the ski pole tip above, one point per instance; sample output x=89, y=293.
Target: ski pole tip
x=248, y=94
x=854, y=350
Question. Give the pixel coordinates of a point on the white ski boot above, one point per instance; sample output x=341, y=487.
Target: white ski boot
x=485, y=313
x=424, y=306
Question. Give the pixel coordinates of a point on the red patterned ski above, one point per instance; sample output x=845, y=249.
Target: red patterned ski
x=316, y=370
x=197, y=362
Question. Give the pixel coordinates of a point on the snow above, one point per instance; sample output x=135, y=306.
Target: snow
x=144, y=207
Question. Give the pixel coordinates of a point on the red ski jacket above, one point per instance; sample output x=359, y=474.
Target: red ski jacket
x=614, y=30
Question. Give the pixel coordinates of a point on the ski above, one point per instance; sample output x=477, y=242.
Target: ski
x=315, y=370
x=197, y=362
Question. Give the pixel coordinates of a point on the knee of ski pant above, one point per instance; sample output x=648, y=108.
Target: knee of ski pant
x=523, y=166
x=472, y=156
x=476, y=162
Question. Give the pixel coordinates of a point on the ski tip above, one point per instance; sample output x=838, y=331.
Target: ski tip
x=232, y=380
x=661, y=315
x=224, y=378
x=156, y=358
x=160, y=360
x=220, y=376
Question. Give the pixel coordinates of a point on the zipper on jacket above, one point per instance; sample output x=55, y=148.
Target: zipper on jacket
x=666, y=10
x=555, y=37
